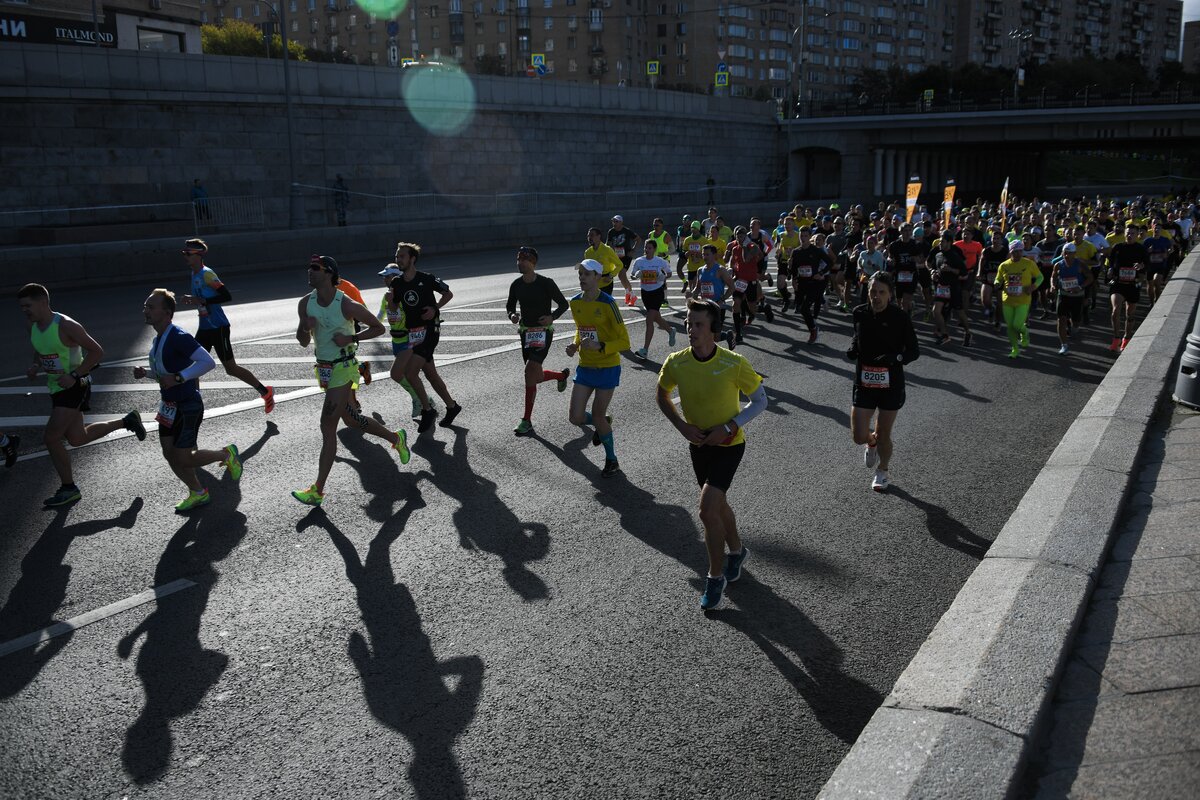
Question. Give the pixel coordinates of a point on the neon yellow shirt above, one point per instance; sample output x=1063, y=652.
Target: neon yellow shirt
x=607, y=257
x=1018, y=279
x=599, y=320
x=693, y=248
x=708, y=390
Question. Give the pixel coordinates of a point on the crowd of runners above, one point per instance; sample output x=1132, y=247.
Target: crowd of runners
x=983, y=265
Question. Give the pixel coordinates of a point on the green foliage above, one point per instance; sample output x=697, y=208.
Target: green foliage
x=488, y=64
x=236, y=37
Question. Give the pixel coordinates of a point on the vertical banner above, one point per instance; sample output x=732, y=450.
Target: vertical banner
x=948, y=204
x=911, y=192
x=1004, y=207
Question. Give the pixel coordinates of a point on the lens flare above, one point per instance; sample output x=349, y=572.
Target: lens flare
x=384, y=9
x=440, y=98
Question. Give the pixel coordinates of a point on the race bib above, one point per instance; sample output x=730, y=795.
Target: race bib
x=941, y=292
x=620, y=251
x=649, y=279
x=394, y=318
x=166, y=414
x=694, y=249
x=51, y=363
x=1070, y=284
x=873, y=377
x=1127, y=274
x=588, y=334
x=535, y=338
x=740, y=286
x=708, y=291
x=804, y=272
x=904, y=276
x=416, y=336
x=1157, y=258
x=202, y=309
x=1015, y=287
x=324, y=371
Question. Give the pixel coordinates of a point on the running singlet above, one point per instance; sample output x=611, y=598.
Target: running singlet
x=600, y=321
x=660, y=242
x=1070, y=276
x=693, y=248
x=418, y=294
x=206, y=285
x=1157, y=250
x=877, y=336
x=710, y=284
x=54, y=358
x=1125, y=258
x=652, y=272
x=904, y=259
x=992, y=259
x=330, y=321
x=708, y=390
x=171, y=352
x=971, y=251
x=809, y=263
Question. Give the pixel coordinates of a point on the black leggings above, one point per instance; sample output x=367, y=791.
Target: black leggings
x=810, y=300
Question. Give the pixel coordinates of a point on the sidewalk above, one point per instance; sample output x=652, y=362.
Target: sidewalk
x=1126, y=715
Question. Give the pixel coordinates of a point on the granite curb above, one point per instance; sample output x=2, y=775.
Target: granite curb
x=963, y=718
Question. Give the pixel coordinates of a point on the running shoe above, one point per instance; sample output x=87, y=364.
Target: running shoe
x=733, y=564
x=524, y=428
x=870, y=456
x=401, y=447
x=562, y=382
x=1115, y=346
x=967, y=339
x=309, y=496
x=770, y=280
x=65, y=496
x=1025, y=340
x=640, y=352
x=416, y=410
x=233, y=462
x=1062, y=351
x=1124, y=344
x=880, y=484
x=783, y=308
x=813, y=334
x=630, y=300
x=193, y=501
x=713, y=589
x=929, y=316
x=10, y=450
x=611, y=467
x=451, y=413
x=670, y=342
x=269, y=400
x=427, y=418
x=769, y=314
x=364, y=369
x=942, y=338
x=740, y=339
x=133, y=422
x=1016, y=351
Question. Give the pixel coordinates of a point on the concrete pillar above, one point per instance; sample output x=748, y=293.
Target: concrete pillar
x=889, y=173
x=878, y=177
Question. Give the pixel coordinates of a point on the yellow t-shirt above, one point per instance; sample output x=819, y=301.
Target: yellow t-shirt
x=608, y=257
x=708, y=390
x=787, y=243
x=1115, y=238
x=1086, y=252
x=599, y=320
x=693, y=248
x=1017, y=279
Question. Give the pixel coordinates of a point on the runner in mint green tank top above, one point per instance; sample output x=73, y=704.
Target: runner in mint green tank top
x=64, y=351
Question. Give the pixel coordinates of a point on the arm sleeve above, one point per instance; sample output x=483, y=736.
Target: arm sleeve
x=758, y=404
x=202, y=362
x=222, y=295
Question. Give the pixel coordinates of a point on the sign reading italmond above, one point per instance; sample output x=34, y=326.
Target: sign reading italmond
x=49, y=30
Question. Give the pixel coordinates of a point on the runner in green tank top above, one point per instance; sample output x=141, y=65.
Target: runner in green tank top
x=327, y=320
x=59, y=347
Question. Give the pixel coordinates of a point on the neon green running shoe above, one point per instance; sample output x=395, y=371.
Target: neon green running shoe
x=401, y=446
x=524, y=428
x=309, y=496
x=233, y=462
x=193, y=501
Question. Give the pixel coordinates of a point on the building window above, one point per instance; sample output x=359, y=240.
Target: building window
x=353, y=21
x=353, y=39
x=571, y=42
x=479, y=29
x=681, y=70
x=572, y=64
x=480, y=50
x=433, y=12
x=237, y=13
x=549, y=24
x=435, y=33
x=502, y=49
x=549, y=46
x=257, y=11
x=159, y=41
x=502, y=26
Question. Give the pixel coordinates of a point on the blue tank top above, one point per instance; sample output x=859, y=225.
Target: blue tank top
x=211, y=314
x=1070, y=275
x=712, y=285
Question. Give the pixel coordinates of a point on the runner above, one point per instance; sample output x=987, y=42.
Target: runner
x=653, y=271
x=995, y=254
x=176, y=361
x=1127, y=266
x=789, y=240
x=391, y=312
x=1072, y=279
x=598, y=251
x=759, y=238
x=709, y=380
x=600, y=336
x=744, y=264
x=1017, y=279
x=663, y=243
x=10, y=445
x=809, y=265
x=870, y=260
x=905, y=257
x=972, y=248
x=416, y=292
x=884, y=341
x=692, y=249
x=327, y=319
x=624, y=242
x=208, y=293
x=948, y=267
x=58, y=346
x=1159, y=251
x=535, y=326
x=713, y=282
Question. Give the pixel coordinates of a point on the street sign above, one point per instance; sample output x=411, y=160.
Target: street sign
x=541, y=69
x=722, y=79
x=651, y=67
x=721, y=53
x=531, y=71
x=722, y=67
x=408, y=61
x=539, y=59
x=393, y=27
x=393, y=55
x=928, y=95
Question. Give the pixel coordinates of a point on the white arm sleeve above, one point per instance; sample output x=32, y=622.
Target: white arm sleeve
x=202, y=362
x=758, y=404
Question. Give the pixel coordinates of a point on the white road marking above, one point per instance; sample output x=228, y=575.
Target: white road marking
x=75, y=623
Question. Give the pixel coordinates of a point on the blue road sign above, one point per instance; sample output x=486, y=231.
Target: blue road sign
x=393, y=27
x=722, y=67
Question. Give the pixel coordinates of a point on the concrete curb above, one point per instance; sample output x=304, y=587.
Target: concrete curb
x=962, y=718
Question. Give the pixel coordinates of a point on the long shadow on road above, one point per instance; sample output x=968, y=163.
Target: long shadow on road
x=403, y=682
x=40, y=591
x=944, y=528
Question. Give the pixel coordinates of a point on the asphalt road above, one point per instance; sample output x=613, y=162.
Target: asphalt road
x=494, y=619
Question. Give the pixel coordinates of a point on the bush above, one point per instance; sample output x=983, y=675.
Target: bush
x=236, y=37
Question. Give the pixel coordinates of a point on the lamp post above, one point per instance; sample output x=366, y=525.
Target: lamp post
x=295, y=214
x=792, y=72
x=1021, y=36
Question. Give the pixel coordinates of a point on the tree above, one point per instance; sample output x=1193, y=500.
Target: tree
x=235, y=37
x=488, y=64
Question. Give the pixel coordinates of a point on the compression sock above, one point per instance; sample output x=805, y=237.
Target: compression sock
x=408, y=387
x=607, y=441
x=737, y=323
x=530, y=394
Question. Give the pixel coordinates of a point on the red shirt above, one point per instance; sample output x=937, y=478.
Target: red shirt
x=744, y=268
x=971, y=252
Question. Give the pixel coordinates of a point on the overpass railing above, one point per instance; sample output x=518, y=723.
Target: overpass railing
x=1091, y=96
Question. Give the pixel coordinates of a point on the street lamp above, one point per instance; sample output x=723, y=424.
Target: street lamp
x=295, y=216
x=792, y=71
x=1021, y=36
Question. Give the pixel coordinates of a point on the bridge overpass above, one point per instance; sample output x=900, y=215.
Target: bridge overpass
x=872, y=156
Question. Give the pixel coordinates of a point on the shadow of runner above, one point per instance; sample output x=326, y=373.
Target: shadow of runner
x=945, y=528
x=482, y=519
x=40, y=591
x=777, y=398
x=842, y=704
x=378, y=469
x=176, y=671
x=404, y=684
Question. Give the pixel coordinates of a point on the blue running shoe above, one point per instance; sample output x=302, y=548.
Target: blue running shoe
x=713, y=589
x=733, y=564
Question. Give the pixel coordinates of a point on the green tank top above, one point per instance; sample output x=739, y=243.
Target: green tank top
x=330, y=320
x=660, y=242
x=54, y=357
x=396, y=321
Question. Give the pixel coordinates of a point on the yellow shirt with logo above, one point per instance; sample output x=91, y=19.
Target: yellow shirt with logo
x=600, y=321
x=708, y=390
x=1086, y=252
x=693, y=248
x=1017, y=280
x=608, y=258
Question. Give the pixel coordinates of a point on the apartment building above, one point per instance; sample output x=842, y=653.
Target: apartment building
x=162, y=25
x=1191, y=46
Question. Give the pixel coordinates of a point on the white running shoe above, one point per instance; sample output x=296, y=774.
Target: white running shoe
x=1062, y=351
x=870, y=456
x=880, y=484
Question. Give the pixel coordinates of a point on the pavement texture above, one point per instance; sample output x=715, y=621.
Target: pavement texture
x=494, y=619
x=965, y=716
x=1126, y=714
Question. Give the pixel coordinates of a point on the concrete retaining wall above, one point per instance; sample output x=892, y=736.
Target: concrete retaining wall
x=963, y=717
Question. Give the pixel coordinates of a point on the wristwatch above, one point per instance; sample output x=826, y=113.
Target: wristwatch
x=728, y=429
x=178, y=378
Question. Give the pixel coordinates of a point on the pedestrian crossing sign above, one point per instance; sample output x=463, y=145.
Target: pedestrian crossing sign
x=651, y=67
x=722, y=79
x=404, y=61
x=539, y=59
